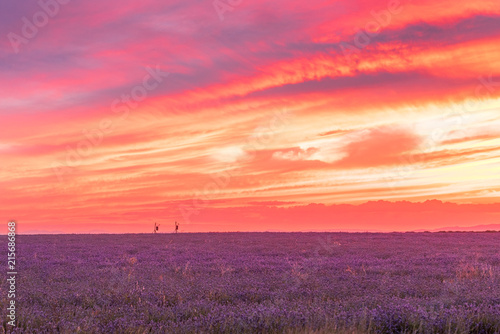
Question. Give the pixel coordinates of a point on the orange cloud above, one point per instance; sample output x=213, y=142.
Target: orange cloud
x=380, y=146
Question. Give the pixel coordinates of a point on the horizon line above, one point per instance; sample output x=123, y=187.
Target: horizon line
x=249, y=232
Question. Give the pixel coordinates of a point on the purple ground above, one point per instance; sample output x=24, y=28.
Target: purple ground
x=258, y=283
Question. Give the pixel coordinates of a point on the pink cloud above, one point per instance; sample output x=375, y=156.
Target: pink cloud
x=380, y=146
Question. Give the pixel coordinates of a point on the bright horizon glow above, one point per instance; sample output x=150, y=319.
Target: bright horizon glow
x=257, y=122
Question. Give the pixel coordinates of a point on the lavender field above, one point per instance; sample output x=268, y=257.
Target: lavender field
x=258, y=283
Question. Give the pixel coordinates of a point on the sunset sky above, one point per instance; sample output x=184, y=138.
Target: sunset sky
x=249, y=115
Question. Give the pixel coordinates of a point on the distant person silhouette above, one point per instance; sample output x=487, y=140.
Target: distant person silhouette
x=176, y=227
x=156, y=228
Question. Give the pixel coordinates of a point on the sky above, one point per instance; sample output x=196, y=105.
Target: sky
x=249, y=115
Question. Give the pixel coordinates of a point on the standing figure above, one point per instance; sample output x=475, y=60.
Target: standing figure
x=156, y=228
x=176, y=227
